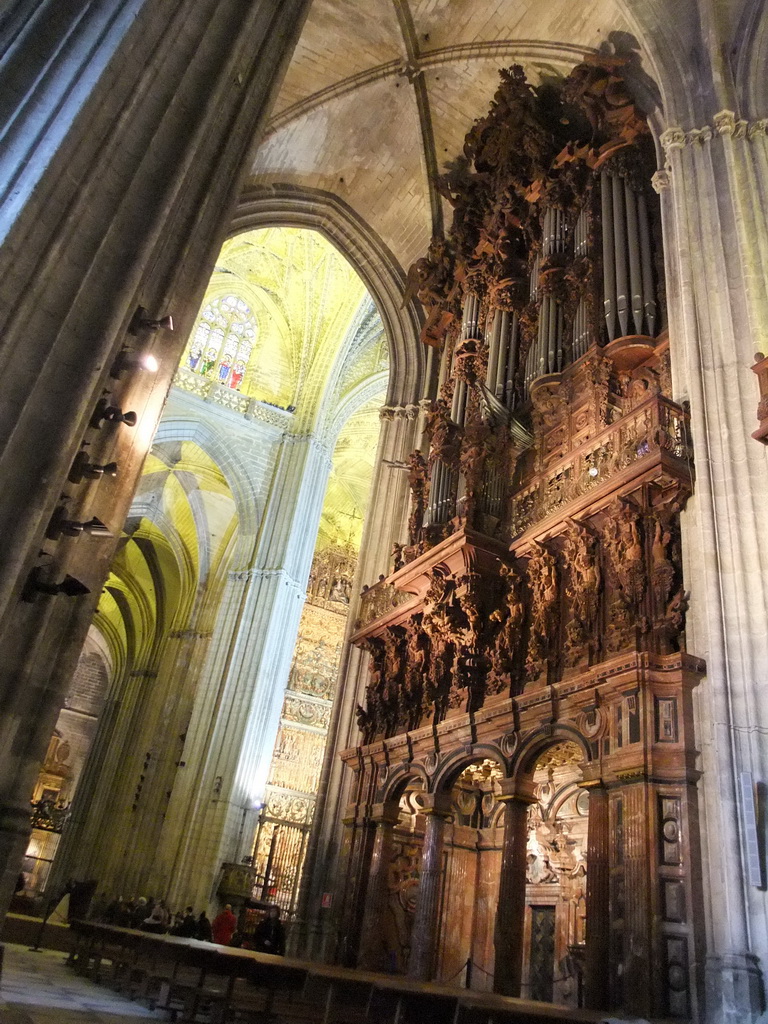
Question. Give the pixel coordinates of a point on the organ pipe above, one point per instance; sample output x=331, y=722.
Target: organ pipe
x=620, y=252
x=633, y=243
x=609, y=265
x=649, y=301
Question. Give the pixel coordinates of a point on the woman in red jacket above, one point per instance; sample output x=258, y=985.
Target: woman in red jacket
x=224, y=926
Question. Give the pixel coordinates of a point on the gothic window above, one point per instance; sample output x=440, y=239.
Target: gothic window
x=222, y=341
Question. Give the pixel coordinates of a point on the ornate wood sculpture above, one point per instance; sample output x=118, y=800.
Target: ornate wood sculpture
x=541, y=593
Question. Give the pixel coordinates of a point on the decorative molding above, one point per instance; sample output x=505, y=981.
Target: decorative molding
x=724, y=123
x=660, y=181
x=392, y=412
x=265, y=574
x=190, y=634
x=219, y=394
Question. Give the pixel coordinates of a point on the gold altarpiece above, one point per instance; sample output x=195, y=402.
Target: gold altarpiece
x=523, y=809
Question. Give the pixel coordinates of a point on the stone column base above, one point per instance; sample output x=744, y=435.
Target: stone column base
x=734, y=989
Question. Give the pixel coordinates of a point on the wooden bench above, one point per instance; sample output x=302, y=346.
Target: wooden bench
x=210, y=984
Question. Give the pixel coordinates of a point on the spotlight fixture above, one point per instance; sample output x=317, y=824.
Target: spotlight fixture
x=140, y=321
x=69, y=586
x=127, y=359
x=111, y=414
x=593, y=471
x=81, y=467
x=59, y=525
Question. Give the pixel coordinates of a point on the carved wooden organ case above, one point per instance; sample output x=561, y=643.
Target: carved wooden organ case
x=540, y=593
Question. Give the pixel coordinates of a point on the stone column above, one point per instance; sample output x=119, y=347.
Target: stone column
x=385, y=523
x=385, y=819
x=598, y=908
x=426, y=921
x=510, y=913
x=713, y=189
x=213, y=811
x=134, y=120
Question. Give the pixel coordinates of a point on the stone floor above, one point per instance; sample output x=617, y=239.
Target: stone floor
x=36, y=988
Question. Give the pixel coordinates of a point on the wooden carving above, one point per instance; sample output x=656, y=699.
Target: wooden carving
x=543, y=587
x=582, y=593
x=624, y=548
x=419, y=485
x=510, y=618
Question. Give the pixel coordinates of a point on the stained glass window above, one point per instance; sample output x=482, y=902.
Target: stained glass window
x=223, y=341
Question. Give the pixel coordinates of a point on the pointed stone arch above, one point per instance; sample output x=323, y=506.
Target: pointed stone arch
x=316, y=210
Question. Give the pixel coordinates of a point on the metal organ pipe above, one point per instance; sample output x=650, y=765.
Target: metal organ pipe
x=505, y=384
x=620, y=253
x=609, y=266
x=649, y=300
x=633, y=243
x=495, y=346
x=580, y=237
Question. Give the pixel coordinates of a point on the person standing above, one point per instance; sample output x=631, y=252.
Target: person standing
x=269, y=936
x=224, y=926
x=204, y=928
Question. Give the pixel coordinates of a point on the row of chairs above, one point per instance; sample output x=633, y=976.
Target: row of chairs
x=200, y=982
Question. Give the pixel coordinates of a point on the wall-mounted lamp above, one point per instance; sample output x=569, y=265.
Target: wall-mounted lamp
x=59, y=525
x=81, y=468
x=140, y=321
x=127, y=359
x=35, y=585
x=111, y=414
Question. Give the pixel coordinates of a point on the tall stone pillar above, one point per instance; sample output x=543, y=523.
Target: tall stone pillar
x=370, y=957
x=214, y=808
x=133, y=120
x=426, y=921
x=386, y=522
x=510, y=913
x=713, y=189
x=598, y=907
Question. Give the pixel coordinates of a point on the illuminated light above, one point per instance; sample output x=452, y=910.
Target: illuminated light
x=593, y=471
x=149, y=363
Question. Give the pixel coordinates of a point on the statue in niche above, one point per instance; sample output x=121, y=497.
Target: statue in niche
x=542, y=582
x=582, y=592
x=444, y=434
x=662, y=569
x=510, y=616
x=673, y=623
x=374, y=692
x=539, y=868
x=440, y=630
x=417, y=644
x=431, y=280
x=397, y=556
x=417, y=481
x=393, y=670
x=474, y=451
x=340, y=591
x=621, y=539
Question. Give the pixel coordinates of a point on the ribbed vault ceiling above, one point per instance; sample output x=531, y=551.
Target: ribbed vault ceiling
x=374, y=104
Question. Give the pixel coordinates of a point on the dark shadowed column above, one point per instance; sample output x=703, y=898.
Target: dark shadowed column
x=598, y=923
x=510, y=913
x=371, y=949
x=425, y=922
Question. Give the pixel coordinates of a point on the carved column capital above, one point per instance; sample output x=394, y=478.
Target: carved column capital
x=436, y=804
x=660, y=180
x=520, y=790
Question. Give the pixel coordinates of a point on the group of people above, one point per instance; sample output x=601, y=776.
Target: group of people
x=151, y=915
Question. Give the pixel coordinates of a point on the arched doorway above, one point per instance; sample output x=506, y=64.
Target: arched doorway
x=554, y=929
x=470, y=892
